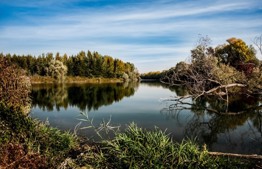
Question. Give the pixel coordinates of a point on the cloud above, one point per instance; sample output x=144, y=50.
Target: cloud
x=151, y=35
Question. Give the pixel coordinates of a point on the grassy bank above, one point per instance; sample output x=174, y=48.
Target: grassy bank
x=27, y=143
x=73, y=80
x=141, y=149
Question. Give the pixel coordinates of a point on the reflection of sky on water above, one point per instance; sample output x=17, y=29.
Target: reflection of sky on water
x=146, y=110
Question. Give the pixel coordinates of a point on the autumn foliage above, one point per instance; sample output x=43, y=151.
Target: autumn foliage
x=232, y=64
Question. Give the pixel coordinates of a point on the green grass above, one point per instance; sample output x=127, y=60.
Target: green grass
x=137, y=149
x=27, y=141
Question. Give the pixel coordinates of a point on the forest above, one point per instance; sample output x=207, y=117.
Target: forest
x=84, y=64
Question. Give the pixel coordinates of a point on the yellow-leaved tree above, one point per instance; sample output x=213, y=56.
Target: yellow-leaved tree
x=238, y=54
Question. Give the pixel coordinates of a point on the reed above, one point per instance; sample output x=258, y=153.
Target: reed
x=137, y=148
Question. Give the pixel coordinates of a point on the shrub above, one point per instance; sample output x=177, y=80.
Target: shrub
x=57, y=70
x=14, y=155
x=14, y=87
x=39, y=140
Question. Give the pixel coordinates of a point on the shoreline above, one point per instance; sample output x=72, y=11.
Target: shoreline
x=73, y=80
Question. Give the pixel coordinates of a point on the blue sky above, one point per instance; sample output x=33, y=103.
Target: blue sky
x=152, y=34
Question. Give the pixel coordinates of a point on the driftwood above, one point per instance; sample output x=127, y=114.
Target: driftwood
x=246, y=156
x=224, y=86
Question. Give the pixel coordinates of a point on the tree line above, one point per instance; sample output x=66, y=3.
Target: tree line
x=84, y=64
x=152, y=75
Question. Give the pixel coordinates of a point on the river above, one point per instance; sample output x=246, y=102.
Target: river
x=146, y=104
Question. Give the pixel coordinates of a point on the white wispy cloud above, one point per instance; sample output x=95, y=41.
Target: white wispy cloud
x=135, y=33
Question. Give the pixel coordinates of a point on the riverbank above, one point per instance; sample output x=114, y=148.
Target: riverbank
x=73, y=80
x=27, y=143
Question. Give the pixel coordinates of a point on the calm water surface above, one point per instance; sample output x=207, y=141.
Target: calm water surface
x=142, y=103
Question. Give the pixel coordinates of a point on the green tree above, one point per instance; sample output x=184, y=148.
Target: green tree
x=83, y=64
x=108, y=67
x=98, y=60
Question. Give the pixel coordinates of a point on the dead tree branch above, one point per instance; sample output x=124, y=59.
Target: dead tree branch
x=211, y=91
x=258, y=43
x=252, y=156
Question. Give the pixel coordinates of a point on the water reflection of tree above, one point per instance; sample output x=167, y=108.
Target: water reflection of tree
x=179, y=90
x=257, y=123
x=212, y=117
x=91, y=96
x=155, y=84
x=207, y=130
x=49, y=96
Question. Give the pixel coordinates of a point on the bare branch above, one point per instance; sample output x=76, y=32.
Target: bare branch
x=220, y=87
x=252, y=156
x=258, y=43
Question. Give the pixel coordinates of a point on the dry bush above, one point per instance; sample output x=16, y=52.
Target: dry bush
x=14, y=86
x=255, y=80
x=57, y=70
x=225, y=74
x=13, y=156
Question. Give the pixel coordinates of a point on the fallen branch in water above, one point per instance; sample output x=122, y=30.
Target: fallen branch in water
x=211, y=91
x=225, y=86
x=247, y=156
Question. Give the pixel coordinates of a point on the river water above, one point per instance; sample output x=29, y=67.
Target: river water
x=149, y=106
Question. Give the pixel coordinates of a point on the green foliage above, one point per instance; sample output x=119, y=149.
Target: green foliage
x=41, y=140
x=25, y=142
x=83, y=64
x=238, y=55
x=138, y=148
x=238, y=63
x=152, y=75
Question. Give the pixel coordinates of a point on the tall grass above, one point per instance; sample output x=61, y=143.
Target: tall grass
x=140, y=149
x=31, y=144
